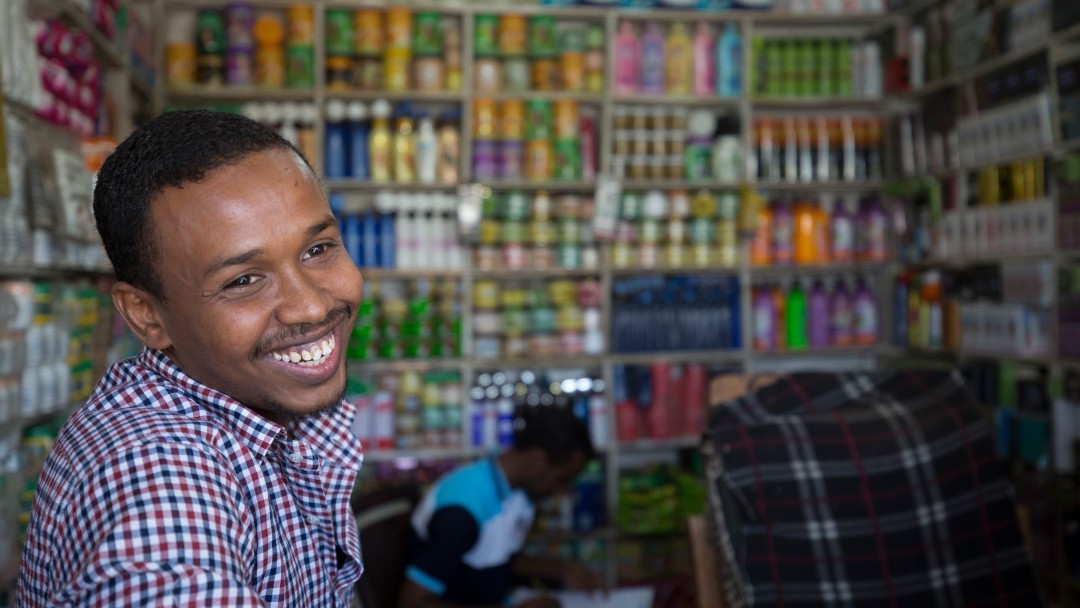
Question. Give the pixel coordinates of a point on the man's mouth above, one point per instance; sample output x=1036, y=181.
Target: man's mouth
x=308, y=355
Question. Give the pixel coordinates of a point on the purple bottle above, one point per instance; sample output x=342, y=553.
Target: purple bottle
x=652, y=59
x=843, y=333
x=872, y=230
x=764, y=319
x=819, y=316
x=842, y=239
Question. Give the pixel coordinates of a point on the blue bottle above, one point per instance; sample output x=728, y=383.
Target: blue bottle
x=359, y=129
x=369, y=240
x=387, y=244
x=729, y=61
x=352, y=235
x=336, y=153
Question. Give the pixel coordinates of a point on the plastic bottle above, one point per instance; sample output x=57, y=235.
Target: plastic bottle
x=379, y=143
x=704, y=60
x=761, y=253
x=678, y=55
x=651, y=75
x=627, y=58
x=359, y=130
x=780, y=325
x=427, y=153
x=405, y=147
x=449, y=147
x=796, y=317
x=842, y=231
x=866, y=321
x=873, y=230
x=783, y=237
x=336, y=157
x=729, y=61
x=819, y=316
x=764, y=319
x=805, y=229
x=843, y=318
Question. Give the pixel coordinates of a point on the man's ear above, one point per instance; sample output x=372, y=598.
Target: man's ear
x=140, y=311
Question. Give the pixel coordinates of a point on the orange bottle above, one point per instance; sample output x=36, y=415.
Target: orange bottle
x=804, y=233
x=761, y=245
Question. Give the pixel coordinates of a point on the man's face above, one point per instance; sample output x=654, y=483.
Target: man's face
x=551, y=479
x=260, y=294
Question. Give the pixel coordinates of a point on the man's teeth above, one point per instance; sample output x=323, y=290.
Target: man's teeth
x=309, y=357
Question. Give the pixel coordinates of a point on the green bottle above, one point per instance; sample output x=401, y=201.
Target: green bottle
x=795, y=310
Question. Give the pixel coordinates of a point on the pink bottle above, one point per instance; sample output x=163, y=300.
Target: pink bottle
x=704, y=60
x=627, y=58
x=764, y=319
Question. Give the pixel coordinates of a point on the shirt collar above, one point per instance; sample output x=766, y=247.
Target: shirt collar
x=330, y=435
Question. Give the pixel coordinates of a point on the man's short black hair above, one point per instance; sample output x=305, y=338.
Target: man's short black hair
x=171, y=150
x=554, y=429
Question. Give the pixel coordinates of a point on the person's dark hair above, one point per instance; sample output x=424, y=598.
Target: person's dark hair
x=171, y=150
x=554, y=429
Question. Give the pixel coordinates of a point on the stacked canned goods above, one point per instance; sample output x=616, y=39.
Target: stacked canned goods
x=241, y=46
x=518, y=232
x=515, y=53
x=407, y=319
x=676, y=229
x=535, y=139
x=536, y=318
x=394, y=49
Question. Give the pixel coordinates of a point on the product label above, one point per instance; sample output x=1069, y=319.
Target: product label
x=763, y=328
x=865, y=322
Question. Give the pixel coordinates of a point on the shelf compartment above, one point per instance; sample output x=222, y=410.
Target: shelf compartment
x=551, y=362
x=235, y=94
x=378, y=366
x=817, y=104
x=578, y=96
x=816, y=187
x=553, y=273
x=716, y=357
x=678, y=184
x=676, y=270
x=412, y=273
x=829, y=268
x=694, y=101
x=351, y=185
x=550, y=186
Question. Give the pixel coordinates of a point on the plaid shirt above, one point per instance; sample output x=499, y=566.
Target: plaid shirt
x=864, y=490
x=163, y=491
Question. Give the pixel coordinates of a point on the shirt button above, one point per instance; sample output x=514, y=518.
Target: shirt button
x=296, y=457
x=311, y=519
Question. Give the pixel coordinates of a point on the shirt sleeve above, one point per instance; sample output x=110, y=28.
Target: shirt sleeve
x=452, y=531
x=162, y=524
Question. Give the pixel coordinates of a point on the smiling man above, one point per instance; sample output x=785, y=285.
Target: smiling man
x=215, y=467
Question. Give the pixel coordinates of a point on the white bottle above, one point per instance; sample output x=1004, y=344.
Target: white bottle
x=404, y=231
x=871, y=57
x=424, y=250
x=426, y=151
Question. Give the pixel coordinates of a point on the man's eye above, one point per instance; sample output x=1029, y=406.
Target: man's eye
x=241, y=282
x=317, y=250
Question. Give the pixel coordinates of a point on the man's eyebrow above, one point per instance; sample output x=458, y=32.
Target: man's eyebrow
x=236, y=260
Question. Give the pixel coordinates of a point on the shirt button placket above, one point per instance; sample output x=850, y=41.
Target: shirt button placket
x=296, y=457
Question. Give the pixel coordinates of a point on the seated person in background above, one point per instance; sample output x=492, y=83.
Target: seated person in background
x=468, y=530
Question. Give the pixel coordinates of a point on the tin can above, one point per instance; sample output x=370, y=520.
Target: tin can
x=545, y=74
x=485, y=35
x=301, y=25
x=484, y=119
x=542, y=41
x=512, y=35
x=538, y=159
x=270, y=67
x=567, y=160
x=572, y=70
x=300, y=67
x=338, y=73
x=487, y=75
x=515, y=74
x=399, y=28
x=429, y=73
x=369, y=39
x=180, y=64
x=538, y=119
x=209, y=32
x=239, y=20
x=568, y=256
x=396, y=63
x=339, y=32
x=239, y=68
x=367, y=73
x=427, y=33
x=511, y=159
x=485, y=159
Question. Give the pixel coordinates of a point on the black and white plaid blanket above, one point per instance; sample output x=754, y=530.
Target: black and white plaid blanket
x=864, y=490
